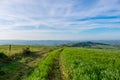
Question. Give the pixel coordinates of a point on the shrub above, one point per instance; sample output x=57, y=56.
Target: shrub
x=2, y=55
x=26, y=51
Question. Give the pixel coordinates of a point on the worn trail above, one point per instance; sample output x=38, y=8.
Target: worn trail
x=55, y=73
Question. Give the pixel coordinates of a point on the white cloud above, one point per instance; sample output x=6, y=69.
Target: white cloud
x=54, y=16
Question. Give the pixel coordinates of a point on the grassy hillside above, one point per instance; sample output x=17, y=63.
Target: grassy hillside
x=90, y=64
x=66, y=63
x=19, y=48
x=94, y=45
x=18, y=65
x=79, y=64
x=43, y=70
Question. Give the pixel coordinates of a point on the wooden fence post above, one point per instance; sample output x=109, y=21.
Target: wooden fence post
x=10, y=47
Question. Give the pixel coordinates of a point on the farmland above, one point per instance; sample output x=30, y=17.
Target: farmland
x=61, y=63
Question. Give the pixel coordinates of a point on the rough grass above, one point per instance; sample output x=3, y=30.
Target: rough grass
x=90, y=64
x=42, y=71
x=73, y=64
x=21, y=66
x=16, y=49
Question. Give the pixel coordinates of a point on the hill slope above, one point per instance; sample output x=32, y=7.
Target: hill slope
x=89, y=44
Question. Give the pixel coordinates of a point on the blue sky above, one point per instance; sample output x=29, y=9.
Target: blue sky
x=60, y=19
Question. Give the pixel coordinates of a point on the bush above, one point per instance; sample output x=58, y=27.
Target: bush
x=2, y=73
x=2, y=55
x=26, y=51
x=4, y=58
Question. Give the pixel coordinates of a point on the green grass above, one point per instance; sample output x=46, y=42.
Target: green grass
x=15, y=49
x=68, y=64
x=90, y=64
x=43, y=70
x=20, y=68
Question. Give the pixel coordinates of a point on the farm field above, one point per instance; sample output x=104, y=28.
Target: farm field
x=51, y=63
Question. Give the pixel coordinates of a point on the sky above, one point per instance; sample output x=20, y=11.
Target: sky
x=60, y=19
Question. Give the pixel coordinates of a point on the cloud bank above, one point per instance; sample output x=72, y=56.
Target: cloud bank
x=59, y=19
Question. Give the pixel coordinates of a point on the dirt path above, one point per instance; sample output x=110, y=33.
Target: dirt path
x=31, y=64
x=56, y=72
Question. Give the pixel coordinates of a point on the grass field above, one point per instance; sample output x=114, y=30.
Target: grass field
x=17, y=69
x=18, y=48
x=90, y=64
x=44, y=68
x=62, y=64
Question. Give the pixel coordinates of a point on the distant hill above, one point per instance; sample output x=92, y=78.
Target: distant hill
x=89, y=44
x=112, y=42
x=86, y=44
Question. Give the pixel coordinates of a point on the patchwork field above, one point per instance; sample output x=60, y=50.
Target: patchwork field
x=51, y=63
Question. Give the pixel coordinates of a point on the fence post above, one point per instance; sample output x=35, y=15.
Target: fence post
x=10, y=47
